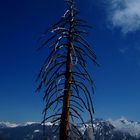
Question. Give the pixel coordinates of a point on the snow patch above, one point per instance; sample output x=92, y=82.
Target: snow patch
x=48, y=124
x=36, y=131
x=29, y=123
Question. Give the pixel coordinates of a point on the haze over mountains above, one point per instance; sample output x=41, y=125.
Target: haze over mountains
x=120, y=129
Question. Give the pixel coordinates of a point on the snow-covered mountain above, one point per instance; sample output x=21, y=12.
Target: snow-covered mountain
x=120, y=129
x=7, y=125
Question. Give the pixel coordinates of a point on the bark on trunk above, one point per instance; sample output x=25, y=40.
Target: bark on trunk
x=64, y=126
x=65, y=117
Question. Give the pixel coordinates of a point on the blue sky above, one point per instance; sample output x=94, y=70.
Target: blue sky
x=114, y=37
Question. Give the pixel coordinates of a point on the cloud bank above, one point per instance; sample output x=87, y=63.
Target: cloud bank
x=125, y=14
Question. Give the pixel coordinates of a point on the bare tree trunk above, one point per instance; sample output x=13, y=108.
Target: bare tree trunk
x=65, y=126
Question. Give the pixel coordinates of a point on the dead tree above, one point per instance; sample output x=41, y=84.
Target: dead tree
x=64, y=75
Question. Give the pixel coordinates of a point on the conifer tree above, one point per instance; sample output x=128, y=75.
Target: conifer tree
x=64, y=75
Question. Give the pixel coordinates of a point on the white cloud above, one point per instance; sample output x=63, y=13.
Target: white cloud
x=125, y=14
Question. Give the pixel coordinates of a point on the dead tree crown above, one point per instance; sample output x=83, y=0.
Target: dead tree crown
x=64, y=76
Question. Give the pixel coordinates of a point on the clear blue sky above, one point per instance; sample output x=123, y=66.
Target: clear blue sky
x=114, y=37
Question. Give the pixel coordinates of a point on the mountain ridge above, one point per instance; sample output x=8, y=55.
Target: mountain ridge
x=120, y=129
